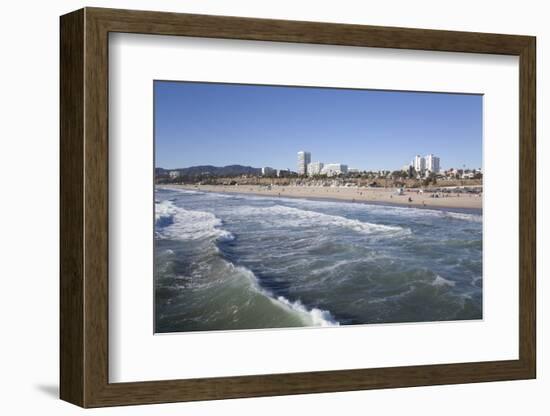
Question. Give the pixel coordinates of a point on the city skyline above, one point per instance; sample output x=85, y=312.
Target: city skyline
x=305, y=165
x=226, y=124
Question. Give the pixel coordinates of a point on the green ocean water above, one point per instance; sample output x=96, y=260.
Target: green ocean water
x=225, y=262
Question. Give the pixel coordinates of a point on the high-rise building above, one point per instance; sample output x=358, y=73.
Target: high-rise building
x=432, y=163
x=304, y=159
x=314, y=168
x=419, y=163
x=174, y=174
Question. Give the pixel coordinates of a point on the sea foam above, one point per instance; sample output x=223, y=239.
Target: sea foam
x=405, y=211
x=313, y=316
x=280, y=215
x=319, y=317
x=181, y=224
x=441, y=281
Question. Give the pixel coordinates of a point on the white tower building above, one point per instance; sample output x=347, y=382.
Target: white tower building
x=334, y=169
x=432, y=163
x=419, y=163
x=314, y=168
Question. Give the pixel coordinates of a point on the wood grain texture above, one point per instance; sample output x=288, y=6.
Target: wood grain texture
x=96, y=208
x=528, y=207
x=162, y=23
x=71, y=208
x=84, y=205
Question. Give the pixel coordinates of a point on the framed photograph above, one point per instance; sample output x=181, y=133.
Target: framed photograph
x=255, y=207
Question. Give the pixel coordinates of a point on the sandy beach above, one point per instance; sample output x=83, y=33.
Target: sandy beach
x=376, y=195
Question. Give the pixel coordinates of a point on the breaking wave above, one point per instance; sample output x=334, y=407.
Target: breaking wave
x=181, y=224
x=300, y=263
x=409, y=212
x=463, y=217
x=295, y=217
x=313, y=316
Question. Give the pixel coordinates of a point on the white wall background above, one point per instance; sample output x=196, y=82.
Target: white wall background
x=29, y=84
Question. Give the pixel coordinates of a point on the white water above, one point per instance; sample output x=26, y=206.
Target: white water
x=313, y=316
x=441, y=281
x=299, y=218
x=243, y=262
x=188, y=224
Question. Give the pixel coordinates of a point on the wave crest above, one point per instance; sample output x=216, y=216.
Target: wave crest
x=403, y=211
x=463, y=217
x=181, y=224
x=295, y=217
x=313, y=316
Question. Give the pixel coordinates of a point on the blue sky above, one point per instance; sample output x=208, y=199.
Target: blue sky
x=255, y=125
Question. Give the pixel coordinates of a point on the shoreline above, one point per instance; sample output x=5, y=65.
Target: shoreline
x=377, y=196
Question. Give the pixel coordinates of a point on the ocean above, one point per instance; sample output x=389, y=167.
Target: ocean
x=235, y=261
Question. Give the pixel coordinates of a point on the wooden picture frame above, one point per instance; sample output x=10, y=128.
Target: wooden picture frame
x=84, y=207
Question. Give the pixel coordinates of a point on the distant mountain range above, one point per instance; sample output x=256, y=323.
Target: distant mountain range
x=231, y=170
